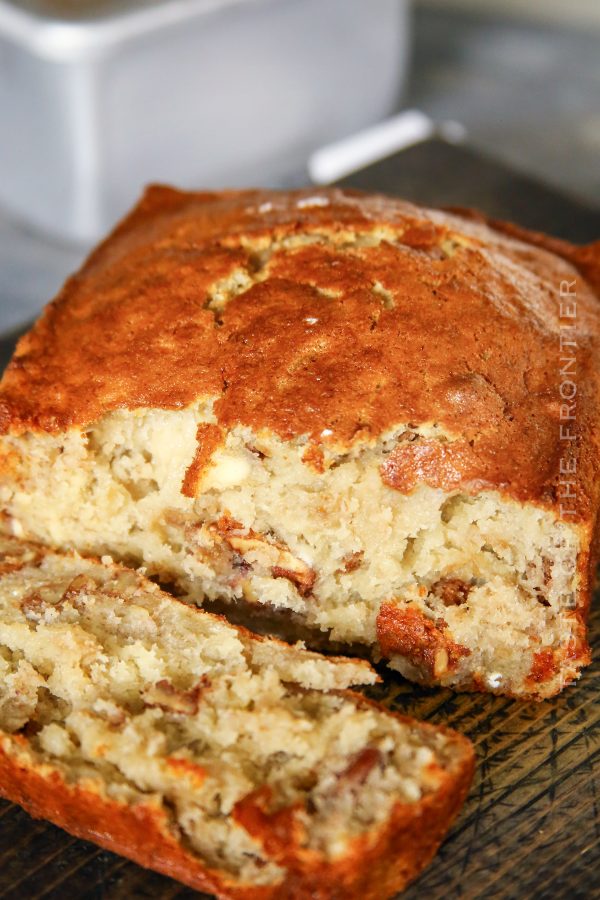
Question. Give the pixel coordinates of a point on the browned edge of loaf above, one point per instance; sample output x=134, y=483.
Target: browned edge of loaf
x=586, y=260
x=377, y=865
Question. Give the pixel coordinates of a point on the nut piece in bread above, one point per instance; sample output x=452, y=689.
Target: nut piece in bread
x=380, y=420
x=234, y=763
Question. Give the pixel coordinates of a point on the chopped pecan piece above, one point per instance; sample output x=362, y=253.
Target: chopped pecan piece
x=261, y=454
x=248, y=543
x=407, y=436
x=80, y=584
x=10, y=564
x=304, y=578
x=240, y=564
x=353, y=561
x=403, y=631
x=29, y=555
x=168, y=698
x=360, y=766
x=547, y=571
x=451, y=591
x=33, y=606
x=269, y=553
x=289, y=566
x=226, y=525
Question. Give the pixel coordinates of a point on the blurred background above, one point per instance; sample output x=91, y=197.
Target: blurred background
x=99, y=97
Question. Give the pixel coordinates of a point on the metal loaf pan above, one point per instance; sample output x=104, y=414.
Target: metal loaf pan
x=99, y=98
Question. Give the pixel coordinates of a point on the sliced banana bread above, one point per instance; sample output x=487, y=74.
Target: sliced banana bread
x=237, y=764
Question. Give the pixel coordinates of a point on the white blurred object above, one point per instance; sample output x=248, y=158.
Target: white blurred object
x=97, y=99
x=335, y=161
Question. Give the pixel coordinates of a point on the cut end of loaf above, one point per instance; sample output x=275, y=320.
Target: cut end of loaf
x=471, y=590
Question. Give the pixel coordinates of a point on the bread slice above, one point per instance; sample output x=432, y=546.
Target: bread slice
x=378, y=420
x=234, y=763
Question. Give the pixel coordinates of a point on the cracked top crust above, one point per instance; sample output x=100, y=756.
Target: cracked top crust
x=333, y=316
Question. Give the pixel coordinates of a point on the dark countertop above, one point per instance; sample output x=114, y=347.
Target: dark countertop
x=527, y=93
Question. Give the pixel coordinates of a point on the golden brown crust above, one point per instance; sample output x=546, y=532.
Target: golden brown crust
x=377, y=865
x=392, y=314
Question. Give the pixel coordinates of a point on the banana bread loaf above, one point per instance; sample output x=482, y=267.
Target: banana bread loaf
x=234, y=763
x=377, y=420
